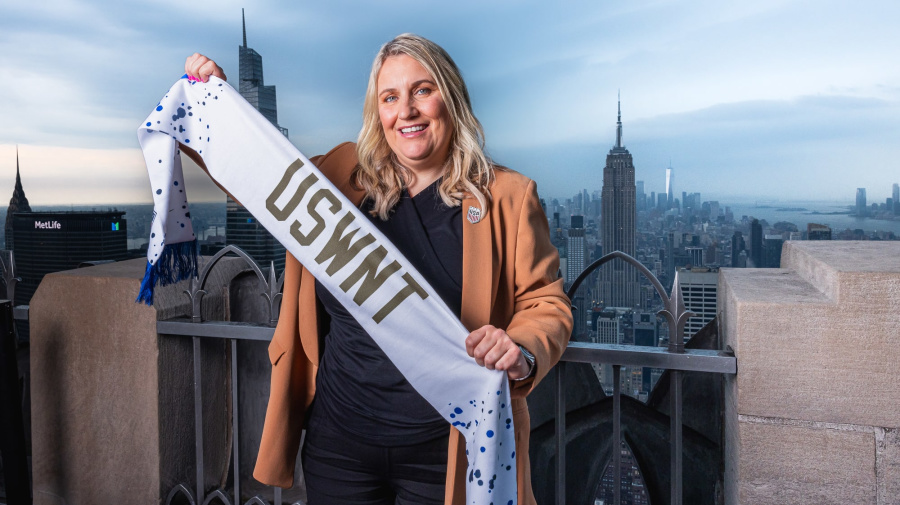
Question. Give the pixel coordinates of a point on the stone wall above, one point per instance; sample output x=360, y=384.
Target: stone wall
x=112, y=401
x=813, y=414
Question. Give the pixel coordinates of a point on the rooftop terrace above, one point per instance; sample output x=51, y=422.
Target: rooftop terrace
x=164, y=404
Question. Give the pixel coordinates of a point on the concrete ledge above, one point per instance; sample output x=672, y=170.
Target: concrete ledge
x=797, y=464
x=887, y=466
x=94, y=387
x=112, y=403
x=804, y=355
x=813, y=414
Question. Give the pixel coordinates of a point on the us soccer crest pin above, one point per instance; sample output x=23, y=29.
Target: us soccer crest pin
x=474, y=215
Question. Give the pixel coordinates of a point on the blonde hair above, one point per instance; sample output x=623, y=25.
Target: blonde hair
x=467, y=168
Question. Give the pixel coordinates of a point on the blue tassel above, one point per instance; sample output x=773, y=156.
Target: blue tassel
x=176, y=263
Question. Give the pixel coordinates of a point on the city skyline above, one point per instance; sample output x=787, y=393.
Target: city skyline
x=619, y=285
x=774, y=100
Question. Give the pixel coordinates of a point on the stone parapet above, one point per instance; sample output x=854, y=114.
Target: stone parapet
x=813, y=414
x=112, y=401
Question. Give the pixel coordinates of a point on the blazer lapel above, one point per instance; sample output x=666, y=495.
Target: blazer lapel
x=478, y=264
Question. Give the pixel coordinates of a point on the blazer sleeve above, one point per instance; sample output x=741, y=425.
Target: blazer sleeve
x=542, y=317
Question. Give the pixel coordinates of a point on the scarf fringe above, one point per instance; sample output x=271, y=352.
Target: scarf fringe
x=176, y=263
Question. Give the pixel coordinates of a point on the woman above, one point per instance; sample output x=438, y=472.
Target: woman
x=475, y=231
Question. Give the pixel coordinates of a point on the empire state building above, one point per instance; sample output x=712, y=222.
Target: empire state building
x=619, y=285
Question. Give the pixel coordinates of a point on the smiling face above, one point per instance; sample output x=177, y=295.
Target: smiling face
x=415, y=120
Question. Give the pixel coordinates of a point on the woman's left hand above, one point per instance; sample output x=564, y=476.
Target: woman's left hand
x=493, y=349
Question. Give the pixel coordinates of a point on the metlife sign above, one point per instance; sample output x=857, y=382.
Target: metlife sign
x=48, y=225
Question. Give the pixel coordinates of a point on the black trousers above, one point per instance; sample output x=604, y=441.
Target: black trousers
x=341, y=470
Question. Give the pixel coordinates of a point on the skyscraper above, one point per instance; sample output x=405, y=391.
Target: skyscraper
x=772, y=251
x=895, y=195
x=696, y=255
x=575, y=249
x=619, y=285
x=53, y=241
x=670, y=183
x=698, y=289
x=737, y=245
x=756, y=244
x=574, y=266
x=241, y=228
x=640, y=197
x=861, y=209
x=817, y=232
x=252, y=86
x=18, y=203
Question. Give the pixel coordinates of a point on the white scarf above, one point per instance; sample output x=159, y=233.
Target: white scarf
x=325, y=232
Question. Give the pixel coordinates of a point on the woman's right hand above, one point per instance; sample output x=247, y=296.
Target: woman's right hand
x=200, y=67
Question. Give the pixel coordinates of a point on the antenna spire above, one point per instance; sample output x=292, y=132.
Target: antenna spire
x=619, y=123
x=244, y=24
x=18, y=177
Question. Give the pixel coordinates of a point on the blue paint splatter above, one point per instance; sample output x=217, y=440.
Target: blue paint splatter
x=490, y=434
x=158, y=191
x=482, y=449
x=176, y=183
x=180, y=114
x=458, y=410
x=159, y=107
x=149, y=123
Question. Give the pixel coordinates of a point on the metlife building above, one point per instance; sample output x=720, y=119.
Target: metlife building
x=46, y=242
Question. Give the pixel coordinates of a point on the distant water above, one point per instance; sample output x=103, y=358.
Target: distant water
x=833, y=214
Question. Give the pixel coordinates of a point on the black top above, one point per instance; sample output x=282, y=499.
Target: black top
x=357, y=386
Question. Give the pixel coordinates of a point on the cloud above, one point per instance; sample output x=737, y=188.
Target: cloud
x=745, y=91
x=817, y=147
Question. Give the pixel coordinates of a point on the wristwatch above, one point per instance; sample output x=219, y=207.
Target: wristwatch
x=529, y=358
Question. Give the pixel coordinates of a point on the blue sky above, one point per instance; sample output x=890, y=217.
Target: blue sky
x=756, y=100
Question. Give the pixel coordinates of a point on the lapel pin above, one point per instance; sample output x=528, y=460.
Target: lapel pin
x=474, y=215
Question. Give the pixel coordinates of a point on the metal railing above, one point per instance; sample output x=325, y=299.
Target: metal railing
x=198, y=329
x=675, y=358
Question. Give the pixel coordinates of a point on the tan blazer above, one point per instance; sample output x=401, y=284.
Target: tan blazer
x=509, y=280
